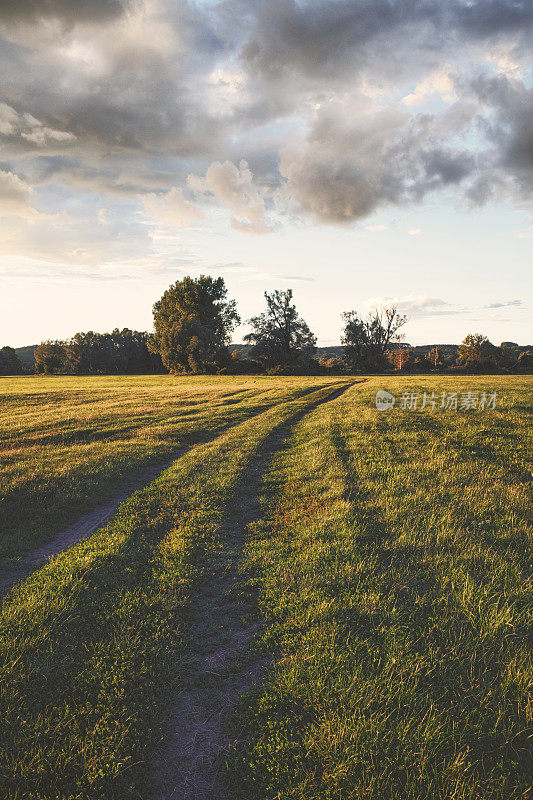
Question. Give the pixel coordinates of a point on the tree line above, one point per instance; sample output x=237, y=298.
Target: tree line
x=194, y=321
x=121, y=352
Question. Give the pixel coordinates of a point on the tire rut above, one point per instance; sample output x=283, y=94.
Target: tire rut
x=16, y=570
x=223, y=622
x=21, y=568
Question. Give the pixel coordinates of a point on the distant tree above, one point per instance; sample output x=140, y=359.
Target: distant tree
x=433, y=359
x=10, y=363
x=131, y=348
x=507, y=355
x=193, y=322
x=50, y=358
x=89, y=354
x=239, y=364
x=476, y=353
x=366, y=341
x=402, y=358
x=280, y=338
x=121, y=352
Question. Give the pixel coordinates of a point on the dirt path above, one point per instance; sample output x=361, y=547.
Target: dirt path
x=18, y=569
x=195, y=738
x=223, y=621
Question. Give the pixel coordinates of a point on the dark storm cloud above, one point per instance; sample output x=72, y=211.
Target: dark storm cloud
x=489, y=17
x=318, y=38
x=323, y=38
x=147, y=97
x=513, y=131
x=129, y=82
x=339, y=189
x=443, y=167
x=347, y=168
x=506, y=119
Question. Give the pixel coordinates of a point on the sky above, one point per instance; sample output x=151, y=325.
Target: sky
x=360, y=152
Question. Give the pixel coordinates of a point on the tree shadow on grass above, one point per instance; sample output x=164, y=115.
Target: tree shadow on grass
x=114, y=599
x=222, y=618
x=424, y=620
x=32, y=513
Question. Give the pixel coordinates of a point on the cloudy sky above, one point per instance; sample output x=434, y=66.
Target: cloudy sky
x=357, y=151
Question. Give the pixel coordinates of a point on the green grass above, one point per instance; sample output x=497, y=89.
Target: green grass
x=389, y=572
x=91, y=643
x=66, y=443
x=395, y=574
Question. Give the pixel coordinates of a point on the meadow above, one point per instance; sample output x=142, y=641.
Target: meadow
x=316, y=599
x=67, y=443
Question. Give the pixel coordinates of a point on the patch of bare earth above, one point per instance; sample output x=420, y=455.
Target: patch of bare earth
x=195, y=738
x=189, y=765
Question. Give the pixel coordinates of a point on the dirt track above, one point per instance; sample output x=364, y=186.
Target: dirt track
x=30, y=561
x=195, y=738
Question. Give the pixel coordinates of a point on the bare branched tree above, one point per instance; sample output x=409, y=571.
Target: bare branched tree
x=366, y=341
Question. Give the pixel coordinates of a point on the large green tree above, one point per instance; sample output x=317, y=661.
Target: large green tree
x=476, y=353
x=50, y=358
x=193, y=322
x=280, y=337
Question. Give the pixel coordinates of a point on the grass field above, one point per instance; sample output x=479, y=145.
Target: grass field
x=66, y=443
x=316, y=600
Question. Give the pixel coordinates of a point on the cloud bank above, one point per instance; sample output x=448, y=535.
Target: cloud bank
x=264, y=110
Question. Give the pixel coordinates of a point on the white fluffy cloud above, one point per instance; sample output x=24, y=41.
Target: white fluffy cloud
x=438, y=83
x=413, y=305
x=233, y=187
x=14, y=192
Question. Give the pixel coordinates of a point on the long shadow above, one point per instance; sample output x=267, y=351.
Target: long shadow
x=118, y=564
x=421, y=617
x=66, y=433
x=49, y=678
x=249, y=482
x=25, y=513
x=423, y=614
x=222, y=618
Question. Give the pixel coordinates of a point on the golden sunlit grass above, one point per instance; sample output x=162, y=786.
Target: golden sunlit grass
x=93, y=642
x=67, y=442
